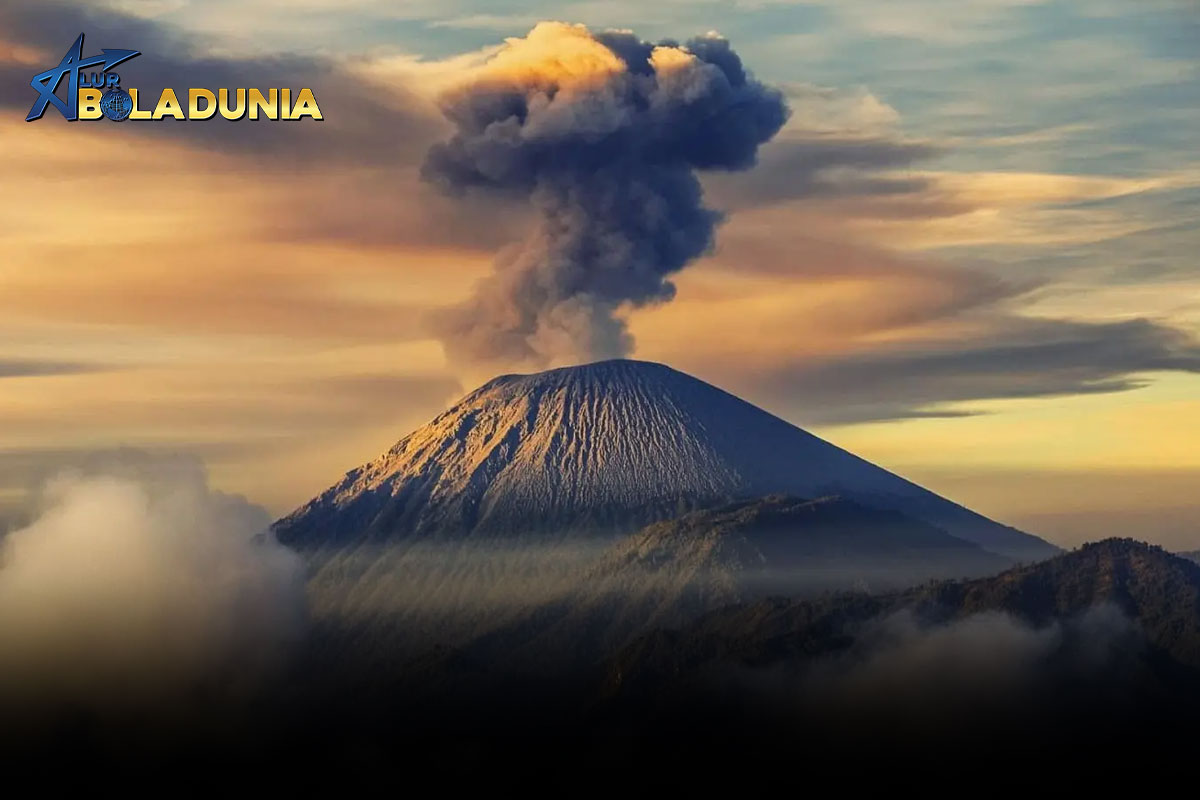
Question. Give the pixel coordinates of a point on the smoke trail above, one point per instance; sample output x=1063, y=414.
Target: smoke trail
x=602, y=134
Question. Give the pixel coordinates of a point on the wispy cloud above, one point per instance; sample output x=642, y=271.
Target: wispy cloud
x=25, y=368
x=1011, y=358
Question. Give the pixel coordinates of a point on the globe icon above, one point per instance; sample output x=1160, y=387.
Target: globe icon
x=116, y=104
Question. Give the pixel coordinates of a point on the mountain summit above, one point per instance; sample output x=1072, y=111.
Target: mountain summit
x=603, y=448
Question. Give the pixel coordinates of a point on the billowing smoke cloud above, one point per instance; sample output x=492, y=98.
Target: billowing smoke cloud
x=136, y=586
x=602, y=134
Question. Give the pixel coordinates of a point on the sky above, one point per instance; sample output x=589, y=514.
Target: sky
x=969, y=255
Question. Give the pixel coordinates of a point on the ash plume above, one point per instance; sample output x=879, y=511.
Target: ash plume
x=602, y=135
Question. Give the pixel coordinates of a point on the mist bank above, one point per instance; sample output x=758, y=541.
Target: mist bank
x=560, y=602
x=148, y=619
x=140, y=597
x=1093, y=653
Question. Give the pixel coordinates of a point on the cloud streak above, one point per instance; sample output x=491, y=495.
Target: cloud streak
x=1011, y=358
x=25, y=368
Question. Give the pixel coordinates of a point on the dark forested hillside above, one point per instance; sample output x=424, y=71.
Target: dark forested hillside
x=1101, y=641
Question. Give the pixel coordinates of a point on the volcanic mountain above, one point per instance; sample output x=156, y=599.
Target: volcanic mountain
x=602, y=449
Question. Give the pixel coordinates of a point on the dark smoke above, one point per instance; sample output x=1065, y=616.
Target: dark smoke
x=602, y=134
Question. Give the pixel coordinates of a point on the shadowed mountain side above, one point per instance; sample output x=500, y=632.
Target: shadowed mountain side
x=1156, y=596
x=604, y=449
x=1099, y=647
x=787, y=545
x=584, y=599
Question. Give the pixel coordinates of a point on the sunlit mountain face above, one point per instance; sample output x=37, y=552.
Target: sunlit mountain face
x=599, y=450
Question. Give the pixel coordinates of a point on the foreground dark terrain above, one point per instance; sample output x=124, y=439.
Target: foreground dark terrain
x=1101, y=643
x=1091, y=652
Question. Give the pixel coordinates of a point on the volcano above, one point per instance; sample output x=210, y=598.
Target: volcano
x=604, y=449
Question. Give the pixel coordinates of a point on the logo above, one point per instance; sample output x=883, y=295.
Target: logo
x=94, y=91
x=117, y=104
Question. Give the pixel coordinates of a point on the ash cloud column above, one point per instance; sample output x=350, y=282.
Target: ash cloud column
x=602, y=134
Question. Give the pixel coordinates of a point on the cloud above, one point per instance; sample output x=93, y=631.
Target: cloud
x=905, y=674
x=489, y=22
x=901, y=658
x=26, y=471
x=25, y=368
x=136, y=586
x=967, y=24
x=836, y=143
x=796, y=167
x=602, y=134
x=1010, y=357
x=364, y=122
x=907, y=209
x=351, y=177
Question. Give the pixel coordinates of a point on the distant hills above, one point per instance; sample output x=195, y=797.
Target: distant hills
x=1156, y=592
x=1095, y=651
x=670, y=571
x=1097, y=648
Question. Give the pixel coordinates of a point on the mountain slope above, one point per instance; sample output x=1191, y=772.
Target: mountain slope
x=1099, y=648
x=782, y=545
x=605, y=447
x=669, y=573
x=1156, y=591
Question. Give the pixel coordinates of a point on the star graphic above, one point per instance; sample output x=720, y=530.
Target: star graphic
x=46, y=83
